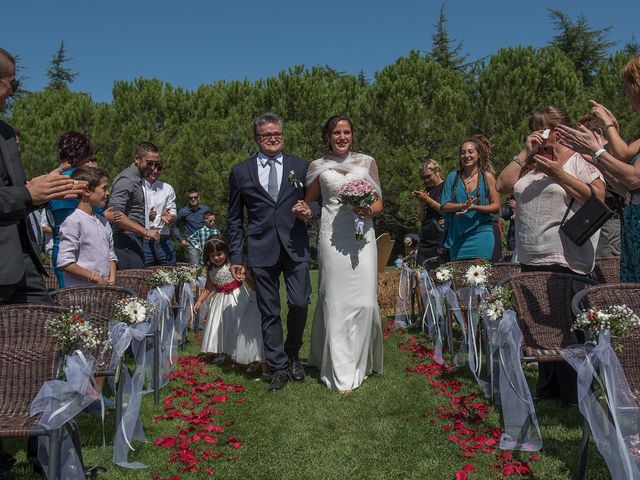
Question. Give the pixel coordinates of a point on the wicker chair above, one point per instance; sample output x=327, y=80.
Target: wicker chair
x=134, y=280
x=50, y=281
x=28, y=356
x=600, y=296
x=607, y=269
x=543, y=304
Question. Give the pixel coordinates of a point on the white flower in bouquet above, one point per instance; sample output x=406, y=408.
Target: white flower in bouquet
x=493, y=306
x=185, y=274
x=132, y=310
x=358, y=193
x=617, y=319
x=444, y=274
x=477, y=275
x=162, y=277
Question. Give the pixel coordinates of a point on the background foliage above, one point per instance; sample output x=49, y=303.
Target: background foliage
x=422, y=106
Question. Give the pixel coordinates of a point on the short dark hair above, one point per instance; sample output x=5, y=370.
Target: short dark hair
x=208, y=213
x=93, y=176
x=5, y=62
x=145, y=147
x=74, y=146
x=215, y=243
x=266, y=118
x=193, y=190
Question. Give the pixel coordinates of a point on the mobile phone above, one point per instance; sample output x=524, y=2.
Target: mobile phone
x=546, y=151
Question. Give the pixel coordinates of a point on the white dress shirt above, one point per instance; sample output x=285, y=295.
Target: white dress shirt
x=160, y=196
x=264, y=168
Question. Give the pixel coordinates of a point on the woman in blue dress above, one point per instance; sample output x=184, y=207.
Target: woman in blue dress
x=469, y=197
x=74, y=150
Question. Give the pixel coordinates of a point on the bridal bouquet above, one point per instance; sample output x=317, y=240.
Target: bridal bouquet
x=358, y=193
x=132, y=310
x=494, y=305
x=73, y=331
x=162, y=277
x=617, y=319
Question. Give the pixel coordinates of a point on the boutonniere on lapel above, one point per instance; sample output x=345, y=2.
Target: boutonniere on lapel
x=293, y=180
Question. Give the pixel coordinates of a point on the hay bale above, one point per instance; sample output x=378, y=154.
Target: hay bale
x=388, y=282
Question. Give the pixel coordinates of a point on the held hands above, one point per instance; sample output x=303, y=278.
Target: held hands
x=152, y=234
x=302, y=211
x=238, y=272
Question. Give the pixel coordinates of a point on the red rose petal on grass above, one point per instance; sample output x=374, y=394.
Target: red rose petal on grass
x=461, y=475
x=166, y=442
x=534, y=458
x=209, y=471
x=469, y=467
x=213, y=428
x=241, y=400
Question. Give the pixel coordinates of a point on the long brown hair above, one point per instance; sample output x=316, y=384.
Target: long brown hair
x=484, y=149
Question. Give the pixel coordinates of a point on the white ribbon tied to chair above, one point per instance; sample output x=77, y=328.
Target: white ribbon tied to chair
x=458, y=354
x=433, y=316
x=58, y=402
x=614, y=421
x=185, y=312
x=474, y=295
x=521, y=429
x=403, y=300
x=163, y=320
x=121, y=337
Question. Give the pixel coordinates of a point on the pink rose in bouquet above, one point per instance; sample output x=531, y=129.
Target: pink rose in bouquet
x=358, y=193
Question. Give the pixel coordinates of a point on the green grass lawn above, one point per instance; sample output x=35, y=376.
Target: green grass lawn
x=386, y=429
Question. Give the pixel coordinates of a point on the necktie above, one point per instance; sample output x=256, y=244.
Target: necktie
x=272, y=186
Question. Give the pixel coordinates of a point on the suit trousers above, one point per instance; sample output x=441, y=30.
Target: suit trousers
x=298, y=285
x=162, y=252
x=30, y=288
x=129, y=250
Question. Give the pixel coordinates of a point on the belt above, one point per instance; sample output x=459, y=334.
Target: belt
x=632, y=198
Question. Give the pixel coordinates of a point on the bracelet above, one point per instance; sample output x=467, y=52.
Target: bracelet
x=607, y=127
x=517, y=161
x=595, y=156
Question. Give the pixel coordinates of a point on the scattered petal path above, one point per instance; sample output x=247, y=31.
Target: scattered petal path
x=195, y=403
x=462, y=416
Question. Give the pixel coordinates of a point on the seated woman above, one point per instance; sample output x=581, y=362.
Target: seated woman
x=543, y=187
x=469, y=197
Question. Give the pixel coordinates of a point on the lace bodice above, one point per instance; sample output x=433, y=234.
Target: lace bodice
x=221, y=276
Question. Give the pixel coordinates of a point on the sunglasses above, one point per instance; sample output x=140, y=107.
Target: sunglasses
x=194, y=198
x=156, y=165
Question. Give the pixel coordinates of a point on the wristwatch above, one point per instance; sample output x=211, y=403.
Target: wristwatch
x=595, y=156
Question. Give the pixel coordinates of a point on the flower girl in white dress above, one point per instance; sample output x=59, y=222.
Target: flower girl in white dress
x=234, y=322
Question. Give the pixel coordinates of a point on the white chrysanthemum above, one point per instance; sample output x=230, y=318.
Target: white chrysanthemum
x=443, y=275
x=476, y=275
x=139, y=313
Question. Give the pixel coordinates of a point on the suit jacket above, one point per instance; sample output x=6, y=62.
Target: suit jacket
x=15, y=205
x=271, y=225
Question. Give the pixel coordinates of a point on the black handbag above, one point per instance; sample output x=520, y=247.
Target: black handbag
x=587, y=220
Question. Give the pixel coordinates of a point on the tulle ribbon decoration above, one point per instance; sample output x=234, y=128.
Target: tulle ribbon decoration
x=473, y=296
x=59, y=401
x=610, y=408
x=521, y=429
x=130, y=427
x=163, y=321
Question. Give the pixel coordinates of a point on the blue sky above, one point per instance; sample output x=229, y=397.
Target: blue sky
x=192, y=42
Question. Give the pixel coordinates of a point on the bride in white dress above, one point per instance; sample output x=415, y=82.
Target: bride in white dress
x=346, y=337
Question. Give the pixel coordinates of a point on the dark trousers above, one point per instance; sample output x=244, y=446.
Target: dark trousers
x=162, y=252
x=30, y=288
x=267, y=282
x=129, y=250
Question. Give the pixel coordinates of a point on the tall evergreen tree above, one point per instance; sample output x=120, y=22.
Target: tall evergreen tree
x=442, y=49
x=59, y=75
x=632, y=47
x=587, y=47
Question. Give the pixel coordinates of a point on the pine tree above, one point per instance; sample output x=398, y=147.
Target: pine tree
x=632, y=47
x=59, y=75
x=442, y=50
x=585, y=46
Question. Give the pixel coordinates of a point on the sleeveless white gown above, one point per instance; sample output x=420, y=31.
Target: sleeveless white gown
x=346, y=337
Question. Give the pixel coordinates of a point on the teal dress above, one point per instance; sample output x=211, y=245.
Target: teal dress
x=630, y=248
x=469, y=236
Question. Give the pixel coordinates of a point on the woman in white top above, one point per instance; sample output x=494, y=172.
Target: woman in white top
x=544, y=177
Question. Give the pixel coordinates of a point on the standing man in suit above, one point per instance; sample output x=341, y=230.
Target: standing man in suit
x=20, y=269
x=269, y=185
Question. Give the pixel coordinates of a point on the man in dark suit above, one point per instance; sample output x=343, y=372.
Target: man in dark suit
x=270, y=186
x=20, y=268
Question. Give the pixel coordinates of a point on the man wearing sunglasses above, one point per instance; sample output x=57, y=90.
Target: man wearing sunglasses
x=127, y=197
x=160, y=212
x=192, y=217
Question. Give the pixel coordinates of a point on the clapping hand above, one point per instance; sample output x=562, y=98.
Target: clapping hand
x=153, y=214
x=421, y=195
x=581, y=140
x=54, y=186
x=467, y=206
